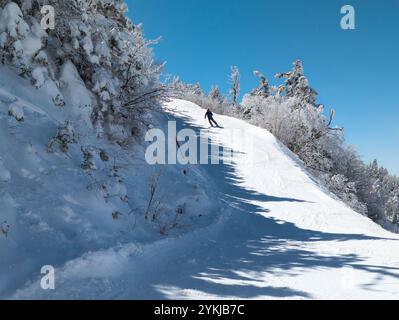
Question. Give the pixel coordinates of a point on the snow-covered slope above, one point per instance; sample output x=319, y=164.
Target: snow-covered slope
x=286, y=238
x=269, y=231
x=53, y=212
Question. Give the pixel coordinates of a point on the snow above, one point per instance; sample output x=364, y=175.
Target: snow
x=57, y=213
x=75, y=92
x=258, y=228
x=16, y=111
x=12, y=22
x=31, y=45
x=38, y=74
x=5, y=175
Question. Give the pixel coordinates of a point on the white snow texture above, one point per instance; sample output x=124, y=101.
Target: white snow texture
x=262, y=230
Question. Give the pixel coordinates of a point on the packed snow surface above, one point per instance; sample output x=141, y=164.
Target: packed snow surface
x=259, y=228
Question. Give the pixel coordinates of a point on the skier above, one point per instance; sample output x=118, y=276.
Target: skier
x=212, y=121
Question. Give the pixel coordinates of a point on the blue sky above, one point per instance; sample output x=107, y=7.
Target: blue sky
x=356, y=72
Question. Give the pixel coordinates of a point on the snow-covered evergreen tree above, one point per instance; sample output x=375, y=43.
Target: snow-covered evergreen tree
x=297, y=85
x=109, y=52
x=264, y=88
x=392, y=204
x=19, y=42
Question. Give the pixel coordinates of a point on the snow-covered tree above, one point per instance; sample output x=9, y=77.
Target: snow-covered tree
x=263, y=88
x=109, y=52
x=297, y=85
x=19, y=42
x=235, y=84
x=392, y=204
x=88, y=164
x=113, y=57
x=65, y=136
x=215, y=94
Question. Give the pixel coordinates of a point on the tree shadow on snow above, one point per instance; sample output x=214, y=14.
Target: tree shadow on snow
x=251, y=249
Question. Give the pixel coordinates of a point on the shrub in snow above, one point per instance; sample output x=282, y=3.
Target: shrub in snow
x=64, y=137
x=167, y=220
x=88, y=164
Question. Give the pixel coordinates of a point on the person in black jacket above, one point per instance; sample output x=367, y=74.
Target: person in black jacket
x=209, y=116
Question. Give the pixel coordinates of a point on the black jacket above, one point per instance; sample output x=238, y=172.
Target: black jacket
x=208, y=115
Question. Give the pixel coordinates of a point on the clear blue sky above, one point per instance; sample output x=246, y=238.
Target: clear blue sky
x=356, y=72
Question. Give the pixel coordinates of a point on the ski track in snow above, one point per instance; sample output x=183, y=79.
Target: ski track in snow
x=278, y=236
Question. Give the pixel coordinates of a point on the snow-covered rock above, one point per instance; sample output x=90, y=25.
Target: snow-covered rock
x=16, y=110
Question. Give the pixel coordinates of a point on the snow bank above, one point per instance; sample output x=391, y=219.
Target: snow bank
x=56, y=211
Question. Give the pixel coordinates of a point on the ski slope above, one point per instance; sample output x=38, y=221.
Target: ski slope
x=286, y=237
x=275, y=234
